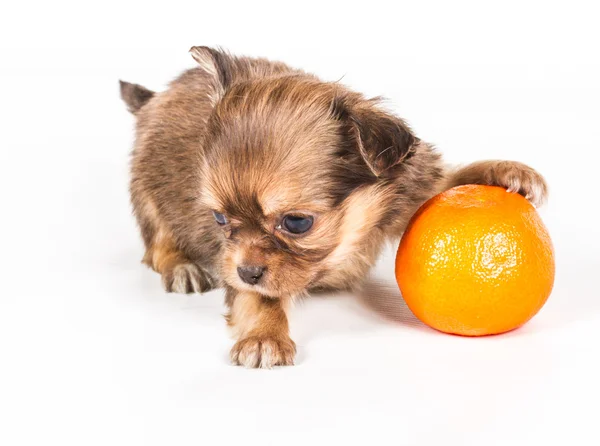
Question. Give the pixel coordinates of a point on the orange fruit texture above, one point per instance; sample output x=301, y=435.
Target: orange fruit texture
x=475, y=260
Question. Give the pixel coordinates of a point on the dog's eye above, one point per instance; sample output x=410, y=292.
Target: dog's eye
x=220, y=218
x=296, y=224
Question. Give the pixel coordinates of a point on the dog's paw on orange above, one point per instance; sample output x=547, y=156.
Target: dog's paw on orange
x=475, y=260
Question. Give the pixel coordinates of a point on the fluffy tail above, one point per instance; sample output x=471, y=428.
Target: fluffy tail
x=135, y=96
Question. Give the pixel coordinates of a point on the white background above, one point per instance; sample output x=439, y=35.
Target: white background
x=93, y=352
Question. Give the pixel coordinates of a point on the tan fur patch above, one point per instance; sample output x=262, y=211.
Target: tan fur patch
x=244, y=314
x=362, y=212
x=164, y=253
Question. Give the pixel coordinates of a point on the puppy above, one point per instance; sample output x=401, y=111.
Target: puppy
x=256, y=177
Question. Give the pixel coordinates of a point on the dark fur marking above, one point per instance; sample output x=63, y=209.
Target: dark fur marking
x=134, y=95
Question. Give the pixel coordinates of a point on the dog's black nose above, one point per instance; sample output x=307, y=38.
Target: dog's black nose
x=251, y=274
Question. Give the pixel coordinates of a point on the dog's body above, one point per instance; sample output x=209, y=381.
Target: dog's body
x=306, y=180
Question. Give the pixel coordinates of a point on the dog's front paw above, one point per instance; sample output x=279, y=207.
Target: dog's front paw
x=520, y=178
x=263, y=352
x=512, y=175
x=187, y=278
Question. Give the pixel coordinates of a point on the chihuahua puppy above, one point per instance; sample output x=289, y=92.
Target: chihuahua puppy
x=262, y=179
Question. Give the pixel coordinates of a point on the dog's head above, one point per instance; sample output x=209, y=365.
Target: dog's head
x=285, y=157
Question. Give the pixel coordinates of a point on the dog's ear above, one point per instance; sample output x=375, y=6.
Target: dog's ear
x=382, y=139
x=216, y=63
x=134, y=95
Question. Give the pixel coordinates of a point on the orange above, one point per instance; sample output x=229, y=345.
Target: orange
x=475, y=260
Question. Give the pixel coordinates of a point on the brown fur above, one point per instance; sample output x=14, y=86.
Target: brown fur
x=256, y=140
x=261, y=326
